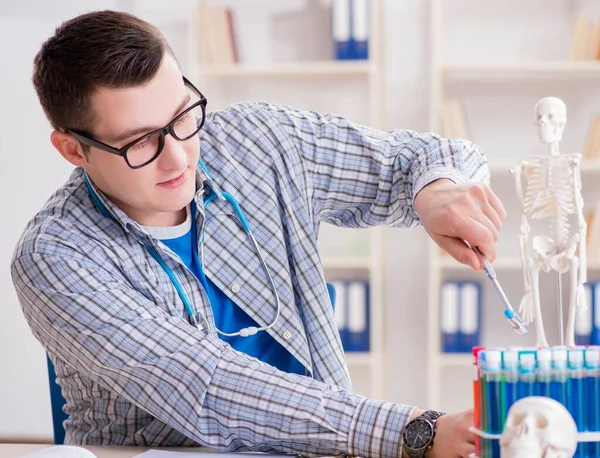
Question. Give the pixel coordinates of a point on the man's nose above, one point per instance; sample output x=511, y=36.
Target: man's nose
x=173, y=155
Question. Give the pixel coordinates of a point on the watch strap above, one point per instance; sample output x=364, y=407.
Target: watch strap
x=431, y=416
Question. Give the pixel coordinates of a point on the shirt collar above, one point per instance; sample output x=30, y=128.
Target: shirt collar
x=128, y=224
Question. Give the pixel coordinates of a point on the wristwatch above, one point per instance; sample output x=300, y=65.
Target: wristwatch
x=418, y=434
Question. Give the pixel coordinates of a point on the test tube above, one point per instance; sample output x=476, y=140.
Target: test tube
x=494, y=396
x=511, y=380
x=592, y=369
x=544, y=372
x=559, y=375
x=576, y=386
x=526, y=385
x=477, y=407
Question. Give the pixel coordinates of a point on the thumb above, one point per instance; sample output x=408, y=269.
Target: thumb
x=459, y=250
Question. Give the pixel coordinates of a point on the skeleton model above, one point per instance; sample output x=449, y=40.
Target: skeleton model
x=551, y=190
x=538, y=427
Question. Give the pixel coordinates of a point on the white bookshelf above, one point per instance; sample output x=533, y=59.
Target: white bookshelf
x=353, y=89
x=314, y=68
x=490, y=71
x=522, y=80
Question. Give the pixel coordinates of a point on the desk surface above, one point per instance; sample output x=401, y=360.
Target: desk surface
x=18, y=450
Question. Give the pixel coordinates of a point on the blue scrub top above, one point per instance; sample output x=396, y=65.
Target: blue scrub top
x=228, y=316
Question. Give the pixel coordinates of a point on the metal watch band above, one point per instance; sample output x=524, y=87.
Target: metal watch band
x=431, y=416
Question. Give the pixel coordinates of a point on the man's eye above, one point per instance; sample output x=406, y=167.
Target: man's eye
x=141, y=144
x=185, y=117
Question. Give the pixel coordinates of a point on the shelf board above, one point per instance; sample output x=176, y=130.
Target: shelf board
x=344, y=263
x=360, y=358
x=502, y=262
x=522, y=70
x=307, y=68
x=505, y=165
x=455, y=359
x=507, y=262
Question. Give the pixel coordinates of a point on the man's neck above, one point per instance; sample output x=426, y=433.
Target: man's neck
x=163, y=219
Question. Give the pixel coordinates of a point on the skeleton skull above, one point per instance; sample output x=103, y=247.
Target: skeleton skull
x=550, y=116
x=538, y=427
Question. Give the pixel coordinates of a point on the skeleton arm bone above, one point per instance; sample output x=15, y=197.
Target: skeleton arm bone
x=581, y=224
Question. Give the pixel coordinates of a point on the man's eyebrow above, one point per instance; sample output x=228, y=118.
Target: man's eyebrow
x=142, y=130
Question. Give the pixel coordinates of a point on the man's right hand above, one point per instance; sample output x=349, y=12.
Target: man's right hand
x=452, y=437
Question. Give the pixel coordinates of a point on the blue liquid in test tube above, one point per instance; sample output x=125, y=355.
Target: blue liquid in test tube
x=575, y=391
x=526, y=384
x=559, y=375
x=511, y=379
x=592, y=372
x=543, y=382
x=494, y=396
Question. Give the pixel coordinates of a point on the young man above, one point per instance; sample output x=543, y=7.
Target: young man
x=168, y=322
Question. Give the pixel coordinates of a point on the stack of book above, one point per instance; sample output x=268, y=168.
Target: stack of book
x=216, y=35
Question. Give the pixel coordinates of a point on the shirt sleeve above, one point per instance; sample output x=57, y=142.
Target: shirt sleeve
x=191, y=380
x=359, y=176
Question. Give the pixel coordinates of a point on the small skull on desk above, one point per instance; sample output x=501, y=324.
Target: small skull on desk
x=538, y=427
x=551, y=116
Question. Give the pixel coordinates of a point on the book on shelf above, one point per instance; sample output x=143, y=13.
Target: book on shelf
x=454, y=120
x=352, y=313
x=460, y=315
x=350, y=29
x=216, y=34
x=585, y=40
x=592, y=147
x=593, y=235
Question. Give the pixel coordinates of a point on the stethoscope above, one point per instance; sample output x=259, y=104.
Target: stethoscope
x=214, y=193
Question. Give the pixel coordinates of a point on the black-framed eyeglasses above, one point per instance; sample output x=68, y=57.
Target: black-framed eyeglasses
x=145, y=149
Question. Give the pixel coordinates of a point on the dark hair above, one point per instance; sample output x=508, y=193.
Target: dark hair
x=108, y=49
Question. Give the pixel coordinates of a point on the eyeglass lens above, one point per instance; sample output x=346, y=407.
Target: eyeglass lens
x=184, y=127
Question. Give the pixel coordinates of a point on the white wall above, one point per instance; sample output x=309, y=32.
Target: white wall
x=30, y=169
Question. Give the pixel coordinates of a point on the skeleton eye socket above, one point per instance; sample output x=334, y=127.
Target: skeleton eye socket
x=542, y=422
x=518, y=419
x=550, y=116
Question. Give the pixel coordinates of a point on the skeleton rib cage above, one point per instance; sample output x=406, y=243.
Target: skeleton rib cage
x=557, y=202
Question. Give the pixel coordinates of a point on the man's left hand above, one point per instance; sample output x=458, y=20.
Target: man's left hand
x=453, y=214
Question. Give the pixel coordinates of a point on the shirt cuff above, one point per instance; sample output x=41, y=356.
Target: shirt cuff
x=376, y=430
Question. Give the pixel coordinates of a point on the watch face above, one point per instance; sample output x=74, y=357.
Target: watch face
x=418, y=434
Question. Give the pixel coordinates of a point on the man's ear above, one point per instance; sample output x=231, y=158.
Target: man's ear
x=68, y=147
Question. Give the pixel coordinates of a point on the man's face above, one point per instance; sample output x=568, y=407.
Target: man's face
x=153, y=195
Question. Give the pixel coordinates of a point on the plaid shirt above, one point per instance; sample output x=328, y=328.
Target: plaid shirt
x=134, y=371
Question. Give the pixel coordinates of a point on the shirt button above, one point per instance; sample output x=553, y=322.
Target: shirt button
x=287, y=335
x=235, y=288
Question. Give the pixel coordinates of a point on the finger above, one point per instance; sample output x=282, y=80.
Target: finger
x=488, y=222
x=484, y=198
x=479, y=235
x=492, y=215
x=459, y=250
x=466, y=450
x=495, y=202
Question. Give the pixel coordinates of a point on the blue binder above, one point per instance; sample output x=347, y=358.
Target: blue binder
x=470, y=315
x=449, y=316
x=584, y=320
x=594, y=304
x=359, y=13
x=341, y=29
x=341, y=310
x=358, y=315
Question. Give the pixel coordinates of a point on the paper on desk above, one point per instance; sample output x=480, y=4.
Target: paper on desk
x=168, y=454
